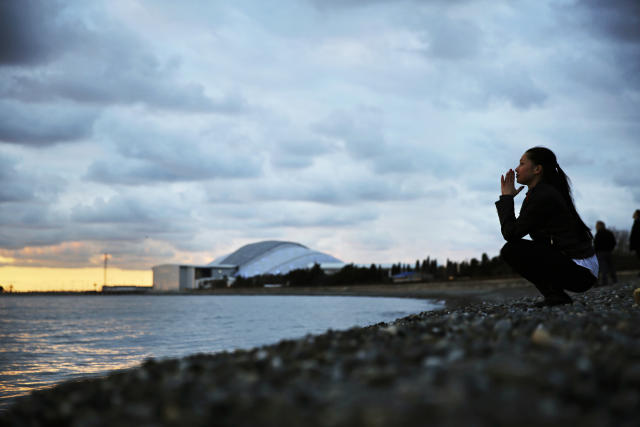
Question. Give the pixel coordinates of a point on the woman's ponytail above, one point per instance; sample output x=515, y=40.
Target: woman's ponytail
x=553, y=175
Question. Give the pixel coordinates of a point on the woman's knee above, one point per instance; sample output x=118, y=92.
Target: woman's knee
x=509, y=251
x=515, y=252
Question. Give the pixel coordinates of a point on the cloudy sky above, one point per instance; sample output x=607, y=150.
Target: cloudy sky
x=374, y=130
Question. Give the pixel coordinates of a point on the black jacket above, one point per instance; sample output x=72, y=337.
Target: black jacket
x=545, y=216
x=634, y=238
x=604, y=241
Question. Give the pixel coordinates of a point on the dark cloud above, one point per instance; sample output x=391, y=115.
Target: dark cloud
x=115, y=210
x=40, y=125
x=128, y=172
x=615, y=26
x=21, y=237
x=14, y=188
x=32, y=223
x=146, y=85
x=24, y=185
x=128, y=218
x=305, y=218
x=342, y=188
x=147, y=152
x=361, y=131
x=141, y=82
x=107, y=222
x=514, y=85
x=618, y=20
x=341, y=4
x=142, y=172
x=471, y=72
x=348, y=192
x=28, y=35
x=264, y=217
x=478, y=87
x=628, y=176
x=298, y=153
x=104, y=63
x=364, y=135
x=412, y=159
x=452, y=39
x=286, y=161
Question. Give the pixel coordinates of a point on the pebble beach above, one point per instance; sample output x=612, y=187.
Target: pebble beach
x=489, y=359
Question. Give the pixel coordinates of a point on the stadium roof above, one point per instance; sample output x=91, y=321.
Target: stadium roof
x=273, y=257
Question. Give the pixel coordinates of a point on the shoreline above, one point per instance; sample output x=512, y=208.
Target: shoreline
x=454, y=293
x=488, y=359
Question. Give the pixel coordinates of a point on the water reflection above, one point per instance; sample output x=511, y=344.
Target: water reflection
x=49, y=339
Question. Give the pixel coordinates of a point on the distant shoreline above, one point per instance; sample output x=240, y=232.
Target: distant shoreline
x=410, y=289
x=454, y=293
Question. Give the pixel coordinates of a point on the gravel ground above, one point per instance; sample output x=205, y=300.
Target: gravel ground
x=488, y=363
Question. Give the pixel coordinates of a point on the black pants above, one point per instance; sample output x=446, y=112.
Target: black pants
x=549, y=270
x=606, y=268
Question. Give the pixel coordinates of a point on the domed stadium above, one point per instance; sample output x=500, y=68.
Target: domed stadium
x=267, y=257
x=273, y=257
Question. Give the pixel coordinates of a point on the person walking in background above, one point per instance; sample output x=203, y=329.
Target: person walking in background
x=634, y=237
x=603, y=243
x=560, y=255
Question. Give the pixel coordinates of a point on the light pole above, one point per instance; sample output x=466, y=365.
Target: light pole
x=106, y=256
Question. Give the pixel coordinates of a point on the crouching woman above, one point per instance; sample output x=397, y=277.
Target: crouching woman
x=560, y=255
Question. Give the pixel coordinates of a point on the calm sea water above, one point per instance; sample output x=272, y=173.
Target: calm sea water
x=45, y=340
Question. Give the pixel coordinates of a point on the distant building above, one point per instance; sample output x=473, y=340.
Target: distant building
x=183, y=277
x=411, y=277
x=266, y=257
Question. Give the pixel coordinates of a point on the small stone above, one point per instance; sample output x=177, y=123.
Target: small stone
x=622, y=325
x=391, y=330
x=541, y=336
x=631, y=375
x=171, y=413
x=432, y=362
x=502, y=326
x=548, y=407
x=455, y=355
x=583, y=364
x=276, y=362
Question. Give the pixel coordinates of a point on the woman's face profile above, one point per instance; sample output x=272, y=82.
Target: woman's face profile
x=526, y=171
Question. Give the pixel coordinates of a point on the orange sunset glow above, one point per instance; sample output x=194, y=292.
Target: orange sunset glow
x=35, y=279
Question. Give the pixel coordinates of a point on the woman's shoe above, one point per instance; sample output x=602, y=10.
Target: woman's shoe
x=552, y=300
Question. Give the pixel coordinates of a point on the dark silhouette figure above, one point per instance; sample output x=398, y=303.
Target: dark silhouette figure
x=560, y=255
x=634, y=237
x=604, y=242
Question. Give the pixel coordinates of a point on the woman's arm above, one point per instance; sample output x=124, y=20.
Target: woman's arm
x=531, y=216
x=532, y=213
